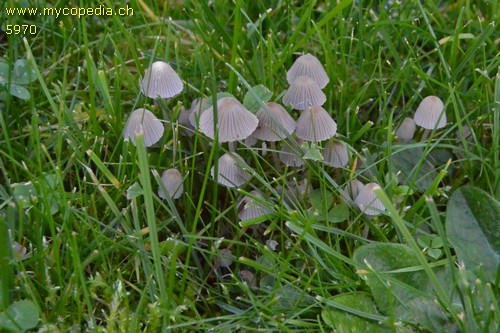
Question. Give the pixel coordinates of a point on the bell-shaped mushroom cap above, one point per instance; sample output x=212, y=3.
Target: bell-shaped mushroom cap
x=315, y=124
x=368, y=202
x=172, y=179
x=407, y=129
x=160, y=80
x=233, y=121
x=250, y=208
x=274, y=124
x=197, y=108
x=303, y=93
x=289, y=156
x=230, y=172
x=335, y=154
x=352, y=189
x=142, y=121
x=308, y=65
x=430, y=113
x=224, y=259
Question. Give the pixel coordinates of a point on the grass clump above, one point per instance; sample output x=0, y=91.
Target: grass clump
x=99, y=250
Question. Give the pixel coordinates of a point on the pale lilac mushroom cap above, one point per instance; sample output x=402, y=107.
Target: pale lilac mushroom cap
x=308, y=65
x=315, y=125
x=335, y=154
x=289, y=157
x=407, y=129
x=430, y=113
x=250, y=208
x=172, y=179
x=143, y=121
x=230, y=173
x=352, y=189
x=303, y=93
x=368, y=202
x=275, y=123
x=234, y=121
x=160, y=80
x=197, y=108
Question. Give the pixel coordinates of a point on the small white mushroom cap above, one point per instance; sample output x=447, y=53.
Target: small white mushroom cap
x=230, y=173
x=308, y=65
x=407, y=129
x=275, y=123
x=250, y=208
x=224, y=259
x=352, y=189
x=143, y=121
x=289, y=157
x=315, y=124
x=303, y=93
x=368, y=202
x=197, y=108
x=234, y=121
x=335, y=154
x=430, y=113
x=160, y=80
x=172, y=179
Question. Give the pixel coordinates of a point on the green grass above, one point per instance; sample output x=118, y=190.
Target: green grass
x=107, y=254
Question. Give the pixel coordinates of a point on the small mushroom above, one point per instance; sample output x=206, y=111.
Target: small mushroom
x=335, y=154
x=308, y=65
x=315, y=125
x=352, y=189
x=290, y=157
x=303, y=93
x=250, y=208
x=234, y=121
x=368, y=202
x=275, y=123
x=172, y=179
x=160, y=80
x=407, y=130
x=430, y=113
x=143, y=121
x=230, y=174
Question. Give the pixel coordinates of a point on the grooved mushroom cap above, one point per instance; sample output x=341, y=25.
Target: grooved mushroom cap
x=352, y=189
x=274, y=123
x=308, y=65
x=142, y=121
x=172, y=179
x=230, y=173
x=197, y=108
x=303, y=93
x=335, y=154
x=160, y=80
x=407, y=129
x=315, y=124
x=430, y=113
x=368, y=202
x=233, y=121
x=250, y=208
x=288, y=156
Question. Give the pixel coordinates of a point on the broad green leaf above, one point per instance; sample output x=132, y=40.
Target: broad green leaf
x=20, y=316
x=347, y=322
x=338, y=214
x=393, y=291
x=19, y=92
x=251, y=102
x=4, y=73
x=473, y=228
x=312, y=152
x=134, y=191
x=407, y=161
x=22, y=72
x=321, y=201
x=25, y=193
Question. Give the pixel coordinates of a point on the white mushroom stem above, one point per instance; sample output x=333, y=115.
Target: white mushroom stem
x=274, y=154
x=425, y=135
x=232, y=146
